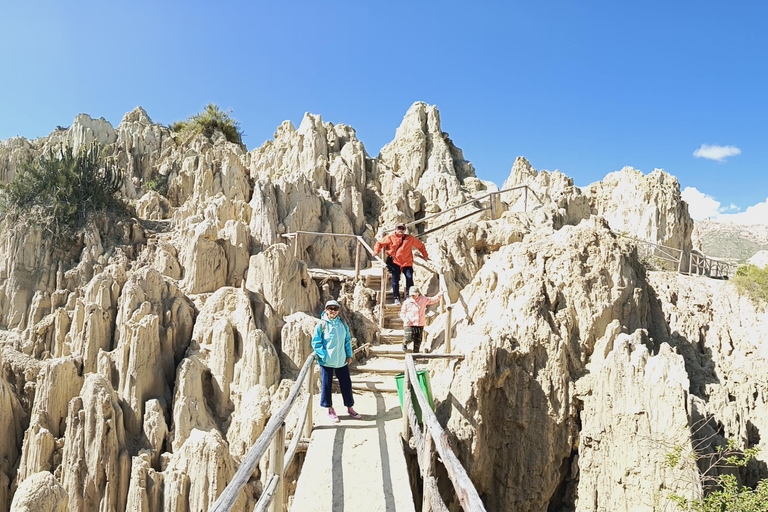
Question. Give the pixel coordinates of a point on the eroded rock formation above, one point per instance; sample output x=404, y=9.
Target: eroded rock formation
x=140, y=364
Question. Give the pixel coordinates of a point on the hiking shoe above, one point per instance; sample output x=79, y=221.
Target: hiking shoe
x=353, y=413
x=397, y=302
x=332, y=416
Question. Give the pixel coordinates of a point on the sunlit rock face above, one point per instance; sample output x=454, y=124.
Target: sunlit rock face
x=140, y=363
x=648, y=207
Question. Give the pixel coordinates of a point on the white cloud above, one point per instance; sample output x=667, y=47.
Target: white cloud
x=715, y=152
x=702, y=206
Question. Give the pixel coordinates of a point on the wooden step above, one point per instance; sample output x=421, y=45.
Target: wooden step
x=391, y=351
x=390, y=336
x=374, y=385
x=379, y=366
x=393, y=323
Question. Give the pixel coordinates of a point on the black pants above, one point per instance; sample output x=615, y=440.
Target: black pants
x=407, y=272
x=345, y=383
x=413, y=334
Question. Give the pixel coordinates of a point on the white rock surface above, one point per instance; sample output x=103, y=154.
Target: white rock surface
x=760, y=259
x=40, y=493
x=139, y=365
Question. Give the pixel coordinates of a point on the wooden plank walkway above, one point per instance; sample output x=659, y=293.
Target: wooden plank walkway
x=356, y=465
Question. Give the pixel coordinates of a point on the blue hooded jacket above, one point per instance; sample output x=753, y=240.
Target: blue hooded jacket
x=332, y=342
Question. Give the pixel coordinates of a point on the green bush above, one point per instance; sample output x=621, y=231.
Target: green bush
x=722, y=493
x=752, y=281
x=159, y=184
x=61, y=190
x=212, y=118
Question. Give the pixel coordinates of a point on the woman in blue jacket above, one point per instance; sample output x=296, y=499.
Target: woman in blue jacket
x=333, y=347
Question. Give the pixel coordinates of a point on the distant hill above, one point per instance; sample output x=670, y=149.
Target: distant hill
x=732, y=241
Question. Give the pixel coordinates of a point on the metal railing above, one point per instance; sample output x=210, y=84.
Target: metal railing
x=273, y=436
x=433, y=441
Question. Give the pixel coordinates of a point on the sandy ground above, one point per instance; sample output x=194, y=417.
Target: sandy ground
x=356, y=465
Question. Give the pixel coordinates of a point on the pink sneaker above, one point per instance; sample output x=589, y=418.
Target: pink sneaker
x=352, y=413
x=332, y=416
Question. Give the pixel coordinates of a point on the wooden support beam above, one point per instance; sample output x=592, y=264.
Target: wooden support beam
x=358, y=254
x=228, y=497
x=382, y=294
x=427, y=465
x=525, y=201
x=276, y=463
x=465, y=490
x=311, y=392
x=267, y=495
x=294, y=444
x=296, y=244
x=438, y=356
x=448, y=329
x=406, y=405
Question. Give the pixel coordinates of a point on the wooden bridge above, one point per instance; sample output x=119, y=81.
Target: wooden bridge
x=360, y=464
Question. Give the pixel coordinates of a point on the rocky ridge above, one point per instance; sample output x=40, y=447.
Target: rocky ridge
x=172, y=337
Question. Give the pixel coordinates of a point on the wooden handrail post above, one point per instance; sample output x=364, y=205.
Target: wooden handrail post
x=448, y=330
x=311, y=390
x=296, y=244
x=406, y=399
x=427, y=468
x=358, y=251
x=383, y=290
x=276, y=460
x=494, y=207
x=525, y=202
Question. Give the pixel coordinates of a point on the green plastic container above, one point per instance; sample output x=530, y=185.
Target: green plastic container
x=423, y=376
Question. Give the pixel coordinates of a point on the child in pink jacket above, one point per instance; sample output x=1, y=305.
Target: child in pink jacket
x=413, y=315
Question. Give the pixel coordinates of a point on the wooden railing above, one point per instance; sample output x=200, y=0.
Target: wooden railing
x=361, y=244
x=494, y=205
x=446, y=306
x=702, y=265
x=273, y=496
x=698, y=264
x=433, y=441
x=648, y=249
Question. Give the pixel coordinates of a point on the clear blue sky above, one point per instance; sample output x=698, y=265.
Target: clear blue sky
x=582, y=86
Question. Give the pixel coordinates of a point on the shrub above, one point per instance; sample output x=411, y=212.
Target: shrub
x=61, y=190
x=212, y=118
x=159, y=184
x=722, y=493
x=752, y=281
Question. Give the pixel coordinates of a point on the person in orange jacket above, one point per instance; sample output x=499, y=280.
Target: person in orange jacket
x=399, y=247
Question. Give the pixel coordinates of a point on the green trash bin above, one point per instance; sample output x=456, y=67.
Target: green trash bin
x=423, y=376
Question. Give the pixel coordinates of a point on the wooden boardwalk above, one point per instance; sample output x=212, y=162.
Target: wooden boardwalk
x=356, y=465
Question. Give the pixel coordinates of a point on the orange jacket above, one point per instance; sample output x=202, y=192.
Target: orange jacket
x=401, y=254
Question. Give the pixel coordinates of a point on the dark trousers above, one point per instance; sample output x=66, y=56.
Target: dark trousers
x=345, y=383
x=413, y=334
x=407, y=272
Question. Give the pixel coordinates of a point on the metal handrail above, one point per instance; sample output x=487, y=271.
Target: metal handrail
x=275, y=427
